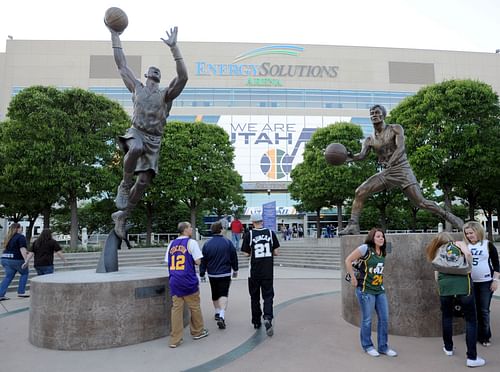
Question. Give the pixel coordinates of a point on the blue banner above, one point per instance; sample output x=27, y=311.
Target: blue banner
x=269, y=215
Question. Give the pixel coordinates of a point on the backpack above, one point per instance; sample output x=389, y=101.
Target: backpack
x=448, y=262
x=356, y=265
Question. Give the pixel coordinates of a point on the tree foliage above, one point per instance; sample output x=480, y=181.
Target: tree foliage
x=452, y=137
x=59, y=145
x=197, y=167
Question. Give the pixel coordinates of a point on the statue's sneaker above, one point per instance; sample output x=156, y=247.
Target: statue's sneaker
x=122, y=195
x=352, y=228
x=119, y=218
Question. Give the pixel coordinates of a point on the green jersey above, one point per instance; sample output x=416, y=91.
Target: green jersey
x=371, y=271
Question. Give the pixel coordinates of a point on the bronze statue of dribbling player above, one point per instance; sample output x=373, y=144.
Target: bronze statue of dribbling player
x=141, y=143
x=388, y=142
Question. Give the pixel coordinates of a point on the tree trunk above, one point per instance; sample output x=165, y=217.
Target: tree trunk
x=471, y=211
x=29, y=231
x=447, y=206
x=414, y=212
x=149, y=222
x=318, y=223
x=46, y=217
x=340, y=220
x=489, y=224
x=193, y=219
x=74, y=222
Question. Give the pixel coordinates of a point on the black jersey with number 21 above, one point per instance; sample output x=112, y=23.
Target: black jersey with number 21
x=260, y=243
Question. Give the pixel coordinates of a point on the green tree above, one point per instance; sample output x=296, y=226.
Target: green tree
x=197, y=166
x=452, y=137
x=315, y=184
x=64, y=143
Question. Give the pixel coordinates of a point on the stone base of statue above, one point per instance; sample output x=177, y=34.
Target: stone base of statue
x=412, y=292
x=84, y=310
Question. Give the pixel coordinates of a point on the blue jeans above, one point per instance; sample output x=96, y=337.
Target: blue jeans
x=43, y=270
x=469, y=309
x=11, y=267
x=483, y=294
x=368, y=303
x=236, y=240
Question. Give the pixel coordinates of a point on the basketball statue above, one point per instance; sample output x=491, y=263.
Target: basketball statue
x=141, y=143
x=388, y=142
x=336, y=154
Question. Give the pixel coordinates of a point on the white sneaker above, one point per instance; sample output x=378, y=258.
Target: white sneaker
x=372, y=352
x=390, y=353
x=447, y=352
x=478, y=362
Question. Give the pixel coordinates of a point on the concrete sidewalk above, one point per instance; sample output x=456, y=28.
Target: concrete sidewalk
x=310, y=334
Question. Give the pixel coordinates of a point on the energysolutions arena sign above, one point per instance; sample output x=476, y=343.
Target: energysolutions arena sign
x=266, y=69
x=267, y=147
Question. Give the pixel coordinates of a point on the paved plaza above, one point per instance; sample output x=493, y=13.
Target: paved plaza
x=310, y=335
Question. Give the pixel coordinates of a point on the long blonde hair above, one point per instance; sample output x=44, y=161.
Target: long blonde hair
x=12, y=231
x=477, y=228
x=438, y=241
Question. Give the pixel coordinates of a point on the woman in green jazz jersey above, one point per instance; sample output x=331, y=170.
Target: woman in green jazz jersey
x=456, y=288
x=369, y=284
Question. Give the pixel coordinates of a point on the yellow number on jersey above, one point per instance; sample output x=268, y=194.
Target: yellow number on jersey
x=377, y=280
x=177, y=262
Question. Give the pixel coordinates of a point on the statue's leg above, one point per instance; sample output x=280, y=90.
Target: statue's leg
x=135, y=195
x=120, y=219
x=371, y=186
x=134, y=149
x=414, y=193
x=141, y=184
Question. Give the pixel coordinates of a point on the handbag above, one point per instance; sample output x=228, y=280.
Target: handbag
x=458, y=311
x=447, y=260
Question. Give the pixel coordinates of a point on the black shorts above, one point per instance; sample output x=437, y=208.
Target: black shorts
x=219, y=287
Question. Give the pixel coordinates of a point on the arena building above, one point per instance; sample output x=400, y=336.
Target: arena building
x=269, y=98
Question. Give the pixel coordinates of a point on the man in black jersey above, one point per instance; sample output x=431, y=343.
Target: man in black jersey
x=261, y=245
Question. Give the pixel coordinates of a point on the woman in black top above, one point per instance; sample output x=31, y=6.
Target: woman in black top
x=43, y=249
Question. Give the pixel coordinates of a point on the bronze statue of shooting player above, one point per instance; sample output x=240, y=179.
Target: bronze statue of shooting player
x=388, y=142
x=141, y=143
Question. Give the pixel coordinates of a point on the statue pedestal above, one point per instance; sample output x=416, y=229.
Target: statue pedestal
x=412, y=292
x=84, y=310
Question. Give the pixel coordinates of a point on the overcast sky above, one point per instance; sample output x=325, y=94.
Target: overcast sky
x=468, y=25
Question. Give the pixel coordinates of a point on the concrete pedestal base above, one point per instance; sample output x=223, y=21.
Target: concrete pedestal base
x=412, y=292
x=83, y=310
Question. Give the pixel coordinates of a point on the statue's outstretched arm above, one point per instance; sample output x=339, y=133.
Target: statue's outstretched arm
x=179, y=82
x=126, y=73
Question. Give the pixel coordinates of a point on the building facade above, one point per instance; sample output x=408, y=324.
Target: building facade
x=269, y=98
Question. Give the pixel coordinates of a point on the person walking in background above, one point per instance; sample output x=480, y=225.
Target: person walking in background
x=485, y=274
x=261, y=245
x=219, y=257
x=236, y=230
x=181, y=257
x=456, y=288
x=284, y=231
x=44, y=249
x=370, y=291
x=13, y=258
